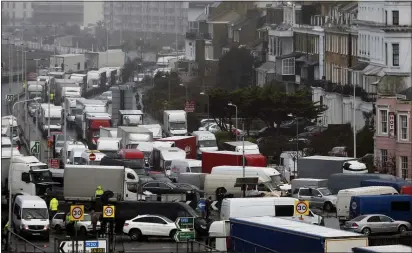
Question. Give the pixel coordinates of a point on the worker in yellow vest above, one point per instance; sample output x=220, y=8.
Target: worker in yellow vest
x=99, y=191
x=52, y=97
x=54, y=206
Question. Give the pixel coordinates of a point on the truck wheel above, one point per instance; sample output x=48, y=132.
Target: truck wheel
x=135, y=234
x=328, y=207
x=402, y=229
x=366, y=231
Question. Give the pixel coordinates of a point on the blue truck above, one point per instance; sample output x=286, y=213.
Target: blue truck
x=270, y=234
x=383, y=249
x=397, y=184
x=398, y=207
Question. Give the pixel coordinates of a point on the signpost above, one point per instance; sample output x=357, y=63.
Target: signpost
x=186, y=230
x=185, y=223
x=9, y=97
x=54, y=163
x=92, y=157
x=301, y=207
x=183, y=236
x=95, y=246
x=190, y=106
x=108, y=211
x=77, y=212
x=35, y=147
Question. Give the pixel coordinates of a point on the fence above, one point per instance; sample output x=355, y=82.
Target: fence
x=19, y=244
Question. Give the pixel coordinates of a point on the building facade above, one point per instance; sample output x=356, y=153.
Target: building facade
x=54, y=13
x=93, y=14
x=393, y=138
x=13, y=13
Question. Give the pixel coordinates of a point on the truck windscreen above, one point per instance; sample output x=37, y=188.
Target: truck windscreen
x=207, y=143
x=54, y=121
x=177, y=125
x=41, y=176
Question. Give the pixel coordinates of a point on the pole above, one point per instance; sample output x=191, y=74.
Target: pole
x=169, y=88
x=65, y=139
x=236, y=122
x=354, y=121
x=107, y=46
x=208, y=106
x=243, y=158
x=187, y=97
x=10, y=74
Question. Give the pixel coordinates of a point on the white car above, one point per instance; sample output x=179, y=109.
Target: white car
x=58, y=223
x=149, y=225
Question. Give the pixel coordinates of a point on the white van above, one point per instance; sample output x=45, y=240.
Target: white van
x=75, y=156
x=237, y=146
x=30, y=216
x=108, y=144
x=344, y=197
x=183, y=166
x=205, y=141
x=265, y=173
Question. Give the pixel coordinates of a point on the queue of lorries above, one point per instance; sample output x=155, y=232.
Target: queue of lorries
x=135, y=161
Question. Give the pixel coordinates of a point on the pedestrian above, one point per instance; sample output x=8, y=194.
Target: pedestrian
x=99, y=191
x=54, y=207
x=94, y=219
x=6, y=236
x=51, y=97
x=69, y=224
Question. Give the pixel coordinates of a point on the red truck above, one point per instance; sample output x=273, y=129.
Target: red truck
x=90, y=130
x=218, y=158
x=187, y=143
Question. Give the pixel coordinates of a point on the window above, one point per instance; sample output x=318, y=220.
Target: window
x=144, y=219
x=385, y=219
x=283, y=210
x=395, y=17
x=395, y=54
x=151, y=185
x=404, y=167
x=164, y=186
x=304, y=192
x=384, y=121
x=288, y=66
x=158, y=220
x=315, y=193
x=386, y=17
x=403, y=127
x=59, y=216
x=403, y=206
x=386, y=54
x=384, y=157
x=24, y=5
x=374, y=219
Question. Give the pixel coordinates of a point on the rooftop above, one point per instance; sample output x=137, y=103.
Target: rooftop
x=226, y=17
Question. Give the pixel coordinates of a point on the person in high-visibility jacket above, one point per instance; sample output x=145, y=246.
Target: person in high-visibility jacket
x=99, y=191
x=52, y=97
x=6, y=235
x=54, y=206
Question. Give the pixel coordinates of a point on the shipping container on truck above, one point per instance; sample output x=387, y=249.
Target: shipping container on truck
x=270, y=234
x=397, y=184
x=130, y=118
x=340, y=181
x=321, y=166
x=398, y=207
x=212, y=159
x=62, y=92
x=383, y=249
x=70, y=63
x=187, y=143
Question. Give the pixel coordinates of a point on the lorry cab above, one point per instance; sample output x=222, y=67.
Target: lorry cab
x=162, y=157
x=85, y=157
x=70, y=145
x=30, y=216
x=129, y=158
x=75, y=156
x=237, y=146
x=70, y=110
x=108, y=145
x=205, y=141
x=183, y=166
x=108, y=132
x=9, y=127
x=29, y=176
x=130, y=118
x=131, y=136
x=35, y=89
x=91, y=127
x=175, y=122
x=344, y=197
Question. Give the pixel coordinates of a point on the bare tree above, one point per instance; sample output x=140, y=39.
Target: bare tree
x=388, y=166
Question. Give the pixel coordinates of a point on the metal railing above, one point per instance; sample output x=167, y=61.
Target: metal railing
x=26, y=246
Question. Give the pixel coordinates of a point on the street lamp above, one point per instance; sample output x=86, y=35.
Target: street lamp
x=11, y=157
x=168, y=83
x=230, y=104
x=208, y=103
x=187, y=98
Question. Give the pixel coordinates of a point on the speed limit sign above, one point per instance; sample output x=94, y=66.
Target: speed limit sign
x=108, y=211
x=77, y=212
x=301, y=207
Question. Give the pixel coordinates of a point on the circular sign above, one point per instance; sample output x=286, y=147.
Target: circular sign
x=92, y=157
x=77, y=213
x=354, y=205
x=301, y=208
x=108, y=211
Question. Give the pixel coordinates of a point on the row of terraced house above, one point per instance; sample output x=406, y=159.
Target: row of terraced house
x=330, y=47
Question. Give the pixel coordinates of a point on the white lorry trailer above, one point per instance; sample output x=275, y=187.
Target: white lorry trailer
x=156, y=130
x=130, y=118
x=55, y=114
x=175, y=122
x=65, y=88
x=132, y=136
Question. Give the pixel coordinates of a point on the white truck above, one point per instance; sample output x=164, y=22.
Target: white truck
x=175, y=122
x=69, y=111
x=80, y=182
x=161, y=158
x=108, y=132
x=35, y=89
x=93, y=80
x=108, y=145
x=156, y=130
x=65, y=88
x=205, y=141
x=81, y=79
x=132, y=136
x=55, y=114
x=29, y=176
x=69, y=63
x=130, y=118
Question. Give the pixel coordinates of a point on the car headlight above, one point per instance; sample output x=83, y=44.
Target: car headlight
x=24, y=226
x=46, y=227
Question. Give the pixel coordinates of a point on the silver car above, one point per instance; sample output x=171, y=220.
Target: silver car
x=317, y=197
x=375, y=224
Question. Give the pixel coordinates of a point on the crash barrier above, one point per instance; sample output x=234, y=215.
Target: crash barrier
x=404, y=239
x=19, y=244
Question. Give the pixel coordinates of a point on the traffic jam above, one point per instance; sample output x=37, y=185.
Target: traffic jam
x=144, y=180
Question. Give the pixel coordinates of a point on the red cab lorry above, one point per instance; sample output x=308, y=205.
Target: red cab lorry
x=187, y=143
x=218, y=158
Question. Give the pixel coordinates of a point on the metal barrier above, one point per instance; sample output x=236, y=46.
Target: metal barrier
x=26, y=246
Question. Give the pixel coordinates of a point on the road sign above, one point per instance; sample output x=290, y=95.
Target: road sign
x=92, y=157
x=54, y=163
x=35, y=147
x=108, y=211
x=301, y=207
x=201, y=205
x=96, y=246
x=213, y=205
x=185, y=222
x=183, y=236
x=9, y=97
x=77, y=212
x=190, y=106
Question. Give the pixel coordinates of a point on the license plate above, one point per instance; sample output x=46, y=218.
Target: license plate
x=36, y=234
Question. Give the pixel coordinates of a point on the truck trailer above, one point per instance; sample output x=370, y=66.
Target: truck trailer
x=187, y=143
x=212, y=159
x=270, y=234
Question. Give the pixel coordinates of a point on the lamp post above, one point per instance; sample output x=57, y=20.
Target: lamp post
x=11, y=157
x=230, y=104
x=208, y=103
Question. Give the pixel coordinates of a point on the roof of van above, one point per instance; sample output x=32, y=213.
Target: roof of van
x=386, y=248
x=191, y=162
x=24, y=159
x=251, y=168
x=173, y=138
x=308, y=179
x=331, y=158
x=368, y=188
x=298, y=227
x=30, y=201
x=131, y=112
x=251, y=201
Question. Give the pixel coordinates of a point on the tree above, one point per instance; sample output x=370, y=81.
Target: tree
x=235, y=69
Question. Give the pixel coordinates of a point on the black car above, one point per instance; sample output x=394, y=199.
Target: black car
x=161, y=187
